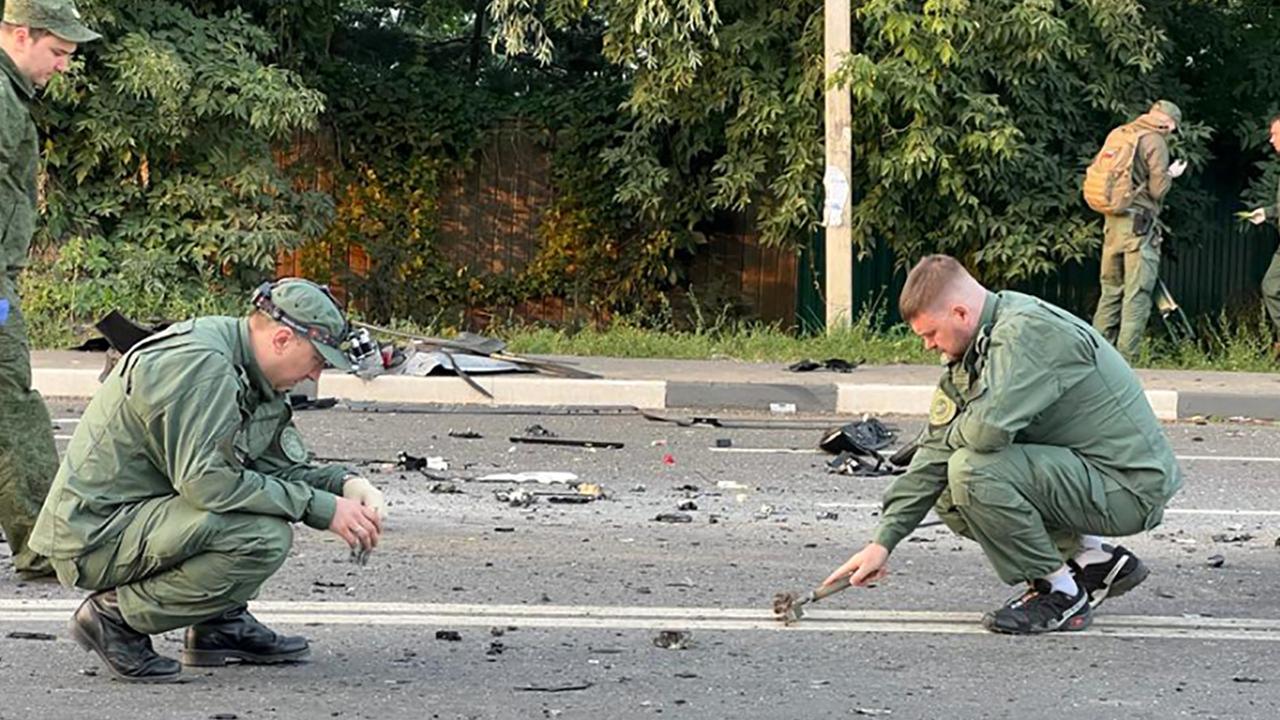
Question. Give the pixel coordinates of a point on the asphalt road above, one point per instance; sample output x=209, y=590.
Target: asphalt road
x=556, y=606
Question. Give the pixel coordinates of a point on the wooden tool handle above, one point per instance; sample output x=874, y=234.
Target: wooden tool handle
x=831, y=589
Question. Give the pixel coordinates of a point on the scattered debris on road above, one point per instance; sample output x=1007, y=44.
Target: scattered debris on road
x=866, y=434
x=672, y=639
x=536, y=430
x=467, y=434
x=673, y=517
x=412, y=463
x=567, y=442
x=449, y=635
x=515, y=498
x=540, y=477
x=25, y=635
x=555, y=688
x=1216, y=561
x=831, y=364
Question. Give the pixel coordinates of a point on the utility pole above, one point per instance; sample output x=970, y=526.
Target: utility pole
x=838, y=175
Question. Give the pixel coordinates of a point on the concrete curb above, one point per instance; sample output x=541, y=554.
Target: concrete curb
x=65, y=382
x=856, y=399
x=506, y=390
x=541, y=391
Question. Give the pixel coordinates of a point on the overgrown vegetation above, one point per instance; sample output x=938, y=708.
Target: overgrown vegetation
x=201, y=140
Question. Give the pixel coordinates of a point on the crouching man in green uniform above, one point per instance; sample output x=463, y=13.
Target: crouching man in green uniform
x=175, y=497
x=1040, y=440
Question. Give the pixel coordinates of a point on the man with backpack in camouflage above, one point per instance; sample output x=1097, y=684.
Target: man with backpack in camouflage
x=1127, y=182
x=1257, y=216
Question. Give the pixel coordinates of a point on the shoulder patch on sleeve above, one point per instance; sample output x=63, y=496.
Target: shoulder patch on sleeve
x=942, y=410
x=292, y=446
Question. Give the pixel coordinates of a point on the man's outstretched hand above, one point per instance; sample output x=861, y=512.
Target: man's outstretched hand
x=866, y=566
x=358, y=525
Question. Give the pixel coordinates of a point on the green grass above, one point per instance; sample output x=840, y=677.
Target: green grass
x=1238, y=341
x=759, y=343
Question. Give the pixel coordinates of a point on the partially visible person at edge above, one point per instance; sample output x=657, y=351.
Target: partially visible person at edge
x=175, y=497
x=37, y=40
x=1271, y=281
x=1040, y=441
x=1131, y=242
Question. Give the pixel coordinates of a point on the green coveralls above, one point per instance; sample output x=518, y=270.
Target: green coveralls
x=1131, y=262
x=28, y=457
x=180, y=483
x=1271, y=281
x=1040, y=434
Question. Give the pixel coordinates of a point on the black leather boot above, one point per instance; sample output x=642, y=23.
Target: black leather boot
x=237, y=635
x=99, y=626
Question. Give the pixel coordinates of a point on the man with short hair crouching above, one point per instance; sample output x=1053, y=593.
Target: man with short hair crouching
x=1040, y=441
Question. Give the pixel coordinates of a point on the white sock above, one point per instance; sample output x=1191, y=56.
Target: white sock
x=1091, y=551
x=1063, y=582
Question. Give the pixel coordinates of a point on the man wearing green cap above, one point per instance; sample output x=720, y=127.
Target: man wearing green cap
x=1131, y=240
x=174, y=500
x=37, y=39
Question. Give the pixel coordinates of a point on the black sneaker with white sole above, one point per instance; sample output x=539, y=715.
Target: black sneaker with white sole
x=1111, y=578
x=1042, y=609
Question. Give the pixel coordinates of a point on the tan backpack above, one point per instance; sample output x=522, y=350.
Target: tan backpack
x=1108, y=183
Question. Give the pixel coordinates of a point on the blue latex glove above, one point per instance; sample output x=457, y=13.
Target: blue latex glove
x=4, y=311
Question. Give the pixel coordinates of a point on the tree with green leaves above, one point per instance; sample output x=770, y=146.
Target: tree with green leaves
x=162, y=193
x=973, y=119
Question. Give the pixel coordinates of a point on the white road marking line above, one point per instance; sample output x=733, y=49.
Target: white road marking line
x=814, y=451
x=1203, y=511
x=768, y=451
x=1229, y=458
x=655, y=618
x=1168, y=511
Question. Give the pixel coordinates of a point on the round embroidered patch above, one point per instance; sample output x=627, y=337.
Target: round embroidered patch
x=943, y=409
x=292, y=445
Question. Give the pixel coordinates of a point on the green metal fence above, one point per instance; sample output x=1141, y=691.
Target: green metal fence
x=1219, y=270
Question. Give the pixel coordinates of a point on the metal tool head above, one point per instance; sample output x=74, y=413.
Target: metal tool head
x=786, y=608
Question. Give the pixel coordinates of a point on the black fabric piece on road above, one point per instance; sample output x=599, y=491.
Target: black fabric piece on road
x=831, y=364
x=567, y=442
x=861, y=437
x=735, y=423
x=302, y=402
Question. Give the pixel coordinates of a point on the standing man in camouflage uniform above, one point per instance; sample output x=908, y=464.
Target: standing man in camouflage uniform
x=174, y=500
x=1040, y=440
x=1131, y=242
x=1271, y=281
x=37, y=39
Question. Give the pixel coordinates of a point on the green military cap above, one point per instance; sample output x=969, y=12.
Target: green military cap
x=312, y=306
x=59, y=17
x=1168, y=108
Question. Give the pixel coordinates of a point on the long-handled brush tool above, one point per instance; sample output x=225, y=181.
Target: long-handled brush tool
x=788, y=607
